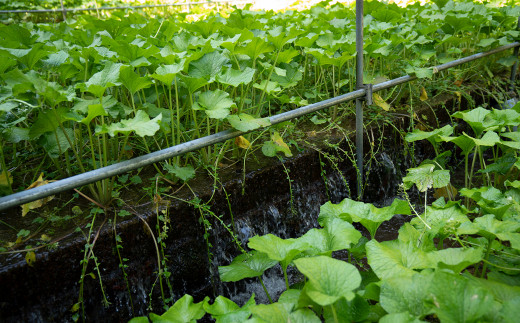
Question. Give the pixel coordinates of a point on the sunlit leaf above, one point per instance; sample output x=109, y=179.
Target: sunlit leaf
x=246, y=266
x=225, y=310
x=406, y=294
x=207, y=67
x=235, y=77
x=100, y=81
x=245, y=122
x=131, y=80
x=184, y=310
x=140, y=124
x=216, y=104
x=282, y=250
x=367, y=214
x=329, y=279
x=455, y=299
x=425, y=177
x=337, y=235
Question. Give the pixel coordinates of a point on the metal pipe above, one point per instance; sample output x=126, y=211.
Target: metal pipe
x=359, y=102
x=122, y=8
x=514, y=69
x=131, y=164
x=63, y=11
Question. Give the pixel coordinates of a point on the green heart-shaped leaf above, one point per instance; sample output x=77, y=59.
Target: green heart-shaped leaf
x=329, y=279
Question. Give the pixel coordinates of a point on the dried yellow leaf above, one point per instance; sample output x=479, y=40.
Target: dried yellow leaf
x=38, y=203
x=380, y=102
x=30, y=257
x=424, y=95
x=242, y=142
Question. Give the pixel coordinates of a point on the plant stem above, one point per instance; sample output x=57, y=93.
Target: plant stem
x=265, y=289
x=285, y=276
x=334, y=314
x=486, y=258
x=4, y=166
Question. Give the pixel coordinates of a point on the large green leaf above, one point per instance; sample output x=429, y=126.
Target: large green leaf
x=464, y=142
x=236, y=77
x=403, y=317
x=275, y=313
x=425, y=177
x=216, y=104
x=282, y=250
x=254, y=48
x=6, y=61
x=56, y=143
x=268, y=86
x=490, y=199
x=455, y=299
x=337, y=235
x=245, y=122
x=224, y=310
x=367, y=214
x=47, y=121
x=100, y=81
x=132, y=81
x=140, y=124
x=94, y=110
x=167, y=73
x=511, y=310
x=33, y=56
x=207, y=67
x=192, y=83
x=355, y=310
x=456, y=259
x=505, y=117
x=434, y=137
x=406, y=294
x=246, y=266
x=500, y=291
x=491, y=228
x=396, y=258
x=292, y=76
x=184, y=310
x=442, y=220
x=303, y=315
x=476, y=118
x=329, y=279
x=420, y=72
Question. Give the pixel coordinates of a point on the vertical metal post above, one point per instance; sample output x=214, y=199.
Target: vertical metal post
x=63, y=11
x=359, y=102
x=515, y=65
